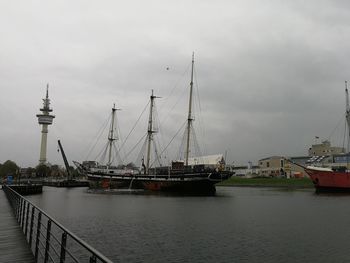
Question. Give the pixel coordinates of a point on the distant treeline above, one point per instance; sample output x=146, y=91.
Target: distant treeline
x=8, y=168
x=11, y=168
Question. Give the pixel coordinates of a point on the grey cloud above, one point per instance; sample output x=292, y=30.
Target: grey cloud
x=270, y=74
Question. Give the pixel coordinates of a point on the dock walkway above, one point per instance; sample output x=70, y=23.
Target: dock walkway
x=13, y=246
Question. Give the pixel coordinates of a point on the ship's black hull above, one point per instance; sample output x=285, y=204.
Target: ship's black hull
x=195, y=187
x=189, y=184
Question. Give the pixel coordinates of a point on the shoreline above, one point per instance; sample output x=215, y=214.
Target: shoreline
x=266, y=186
x=291, y=183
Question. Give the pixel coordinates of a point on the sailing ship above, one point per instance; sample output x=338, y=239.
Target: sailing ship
x=107, y=175
x=333, y=179
x=183, y=176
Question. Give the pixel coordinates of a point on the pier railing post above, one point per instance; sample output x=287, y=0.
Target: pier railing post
x=17, y=206
x=37, y=237
x=23, y=206
x=27, y=218
x=63, y=247
x=47, y=247
x=21, y=213
x=31, y=227
x=19, y=203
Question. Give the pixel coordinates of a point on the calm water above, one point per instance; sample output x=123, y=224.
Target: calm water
x=237, y=225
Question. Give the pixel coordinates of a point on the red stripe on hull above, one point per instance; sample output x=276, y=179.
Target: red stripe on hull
x=329, y=179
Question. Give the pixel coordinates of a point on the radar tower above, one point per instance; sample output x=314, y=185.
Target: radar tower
x=45, y=119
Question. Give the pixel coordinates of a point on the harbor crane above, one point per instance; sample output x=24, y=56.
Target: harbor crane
x=66, y=164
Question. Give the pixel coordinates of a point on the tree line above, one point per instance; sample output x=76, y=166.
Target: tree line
x=11, y=168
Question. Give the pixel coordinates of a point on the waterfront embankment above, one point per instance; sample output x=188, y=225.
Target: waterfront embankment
x=268, y=182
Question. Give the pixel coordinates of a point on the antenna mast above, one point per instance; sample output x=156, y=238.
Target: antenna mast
x=189, y=119
x=45, y=118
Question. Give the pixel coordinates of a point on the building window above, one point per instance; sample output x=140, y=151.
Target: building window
x=267, y=164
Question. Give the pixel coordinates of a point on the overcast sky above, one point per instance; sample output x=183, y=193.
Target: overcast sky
x=270, y=74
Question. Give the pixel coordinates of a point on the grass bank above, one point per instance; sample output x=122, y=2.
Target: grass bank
x=268, y=182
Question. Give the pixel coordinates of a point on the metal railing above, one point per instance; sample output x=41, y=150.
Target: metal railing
x=49, y=241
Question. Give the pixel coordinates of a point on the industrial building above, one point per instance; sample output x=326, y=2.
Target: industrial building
x=323, y=155
x=325, y=148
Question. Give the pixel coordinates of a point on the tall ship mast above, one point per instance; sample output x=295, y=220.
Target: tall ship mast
x=347, y=109
x=189, y=119
x=111, y=136
x=150, y=132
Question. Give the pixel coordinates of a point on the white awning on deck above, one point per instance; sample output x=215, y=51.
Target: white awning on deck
x=206, y=160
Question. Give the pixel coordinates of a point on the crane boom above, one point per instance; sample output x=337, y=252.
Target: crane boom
x=65, y=160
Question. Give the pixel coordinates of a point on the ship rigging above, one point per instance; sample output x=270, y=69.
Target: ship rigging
x=180, y=176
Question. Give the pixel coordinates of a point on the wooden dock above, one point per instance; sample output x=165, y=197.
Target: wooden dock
x=13, y=246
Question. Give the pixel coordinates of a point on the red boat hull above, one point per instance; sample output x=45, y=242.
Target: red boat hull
x=329, y=180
